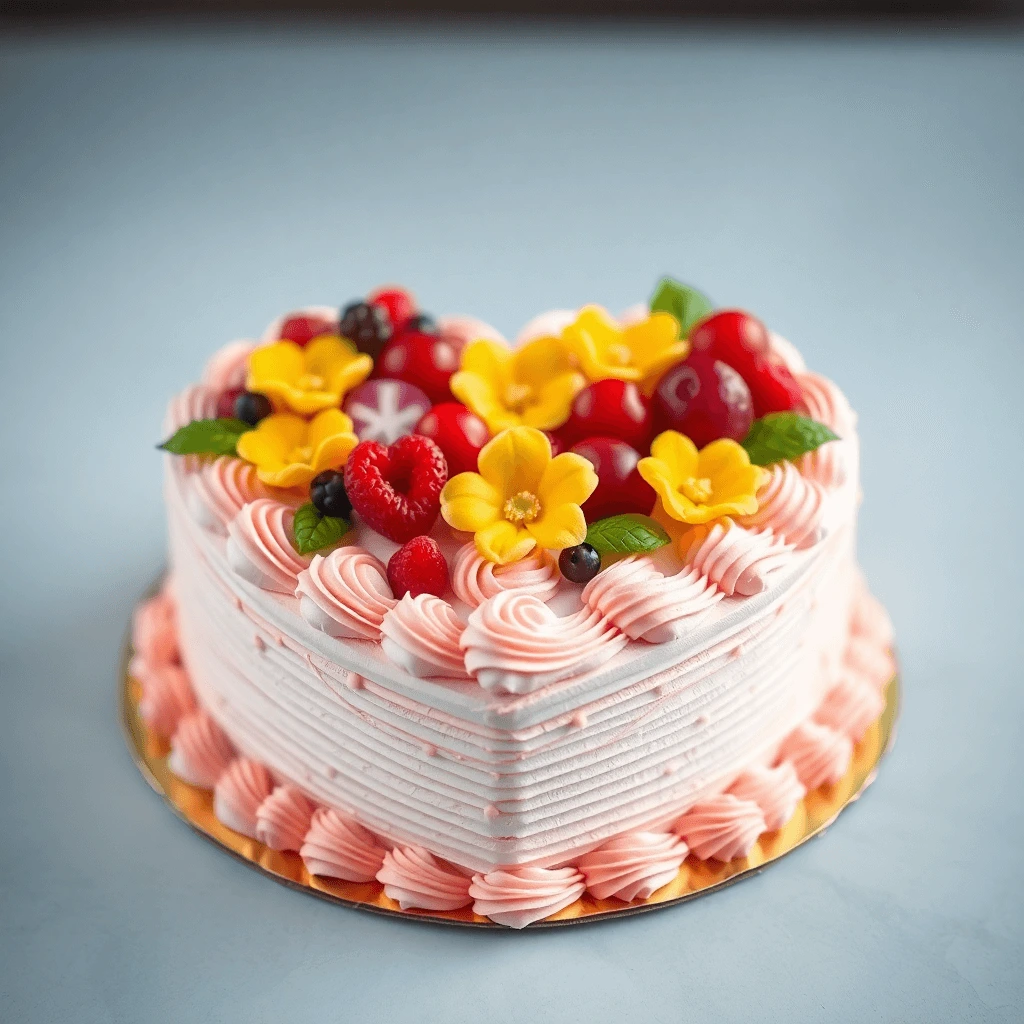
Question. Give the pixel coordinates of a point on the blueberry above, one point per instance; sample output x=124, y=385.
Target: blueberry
x=367, y=326
x=327, y=492
x=421, y=323
x=251, y=407
x=579, y=564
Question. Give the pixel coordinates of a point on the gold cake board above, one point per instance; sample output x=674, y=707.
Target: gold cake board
x=696, y=878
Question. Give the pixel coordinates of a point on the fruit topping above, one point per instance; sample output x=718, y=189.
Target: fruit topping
x=422, y=323
x=226, y=403
x=741, y=341
x=620, y=487
x=397, y=489
x=385, y=410
x=251, y=407
x=367, y=326
x=705, y=399
x=418, y=567
x=610, y=408
x=327, y=492
x=579, y=564
x=459, y=433
x=303, y=328
x=425, y=360
x=399, y=305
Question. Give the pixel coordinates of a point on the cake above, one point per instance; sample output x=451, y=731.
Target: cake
x=494, y=626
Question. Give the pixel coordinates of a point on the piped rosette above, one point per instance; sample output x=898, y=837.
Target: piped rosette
x=239, y=794
x=633, y=865
x=790, y=505
x=337, y=846
x=283, y=819
x=197, y=402
x=418, y=881
x=227, y=368
x=476, y=580
x=516, y=897
x=220, y=489
x=260, y=547
x=737, y=560
x=514, y=643
x=721, y=828
x=422, y=635
x=345, y=594
x=643, y=603
x=200, y=751
x=776, y=791
x=829, y=465
x=819, y=754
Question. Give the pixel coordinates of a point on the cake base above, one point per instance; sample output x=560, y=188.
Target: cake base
x=696, y=878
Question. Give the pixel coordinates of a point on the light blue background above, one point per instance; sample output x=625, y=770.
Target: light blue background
x=162, y=194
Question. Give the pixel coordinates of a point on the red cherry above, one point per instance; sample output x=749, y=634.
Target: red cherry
x=620, y=487
x=421, y=359
x=400, y=304
x=610, y=408
x=302, y=329
x=705, y=399
x=459, y=433
x=773, y=388
x=226, y=403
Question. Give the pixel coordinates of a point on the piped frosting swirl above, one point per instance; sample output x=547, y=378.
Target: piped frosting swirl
x=200, y=750
x=337, y=846
x=633, y=865
x=819, y=754
x=227, y=367
x=776, y=791
x=851, y=706
x=166, y=695
x=735, y=559
x=790, y=505
x=260, y=547
x=475, y=580
x=155, y=630
x=220, y=489
x=422, y=635
x=722, y=828
x=239, y=793
x=283, y=819
x=414, y=878
x=516, y=897
x=196, y=402
x=345, y=594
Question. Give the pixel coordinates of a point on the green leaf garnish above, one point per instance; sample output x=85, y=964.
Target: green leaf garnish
x=315, y=531
x=784, y=435
x=686, y=304
x=206, y=437
x=627, y=534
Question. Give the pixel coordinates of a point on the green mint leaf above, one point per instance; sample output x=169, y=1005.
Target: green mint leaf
x=784, y=435
x=315, y=531
x=206, y=437
x=686, y=304
x=627, y=534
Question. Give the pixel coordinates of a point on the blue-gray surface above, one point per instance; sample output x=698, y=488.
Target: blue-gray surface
x=161, y=194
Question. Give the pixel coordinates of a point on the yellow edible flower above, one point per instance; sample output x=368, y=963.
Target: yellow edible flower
x=288, y=451
x=307, y=379
x=532, y=386
x=696, y=487
x=521, y=498
x=639, y=352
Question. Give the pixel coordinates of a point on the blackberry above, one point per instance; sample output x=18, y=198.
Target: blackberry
x=367, y=326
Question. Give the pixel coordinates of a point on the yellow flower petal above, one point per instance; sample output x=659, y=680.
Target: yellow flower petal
x=487, y=358
x=502, y=542
x=515, y=460
x=554, y=401
x=478, y=394
x=569, y=479
x=272, y=439
x=327, y=424
x=282, y=361
x=541, y=359
x=677, y=452
x=470, y=503
x=559, y=526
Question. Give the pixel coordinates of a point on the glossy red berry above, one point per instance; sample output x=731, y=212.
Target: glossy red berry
x=226, y=403
x=610, y=408
x=399, y=304
x=705, y=399
x=425, y=360
x=620, y=487
x=396, y=489
x=579, y=564
x=418, y=567
x=303, y=328
x=459, y=433
x=384, y=410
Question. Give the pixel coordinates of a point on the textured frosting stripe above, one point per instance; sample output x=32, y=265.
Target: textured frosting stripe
x=228, y=366
x=239, y=793
x=337, y=846
x=790, y=505
x=851, y=706
x=647, y=605
x=776, y=791
x=736, y=560
x=475, y=580
x=200, y=751
x=632, y=866
x=417, y=880
x=219, y=490
x=515, y=643
x=260, y=546
x=722, y=828
x=283, y=819
x=516, y=897
x=819, y=754
x=422, y=635
x=345, y=594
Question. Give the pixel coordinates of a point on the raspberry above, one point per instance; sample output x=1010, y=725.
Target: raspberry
x=302, y=329
x=418, y=567
x=397, y=489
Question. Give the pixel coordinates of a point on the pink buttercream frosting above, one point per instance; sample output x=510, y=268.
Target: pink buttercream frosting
x=228, y=366
x=735, y=559
x=776, y=791
x=461, y=330
x=518, y=896
x=221, y=488
x=196, y=402
x=633, y=865
x=474, y=579
x=824, y=402
x=345, y=594
x=790, y=505
x=647, y=605
x=819, y=753
x=869, y=659
x=200, y=750
x=722, y=828
x=260, y=547
x=870, y=619
x=166, y=695
x=239, y=793
x=548, y=324
x=851, y=706
x=328, y=313
x=417, y=880
x=515, y=643
x=155, y=630
x=337, y=846
x=283, y=819
x=422, y=635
